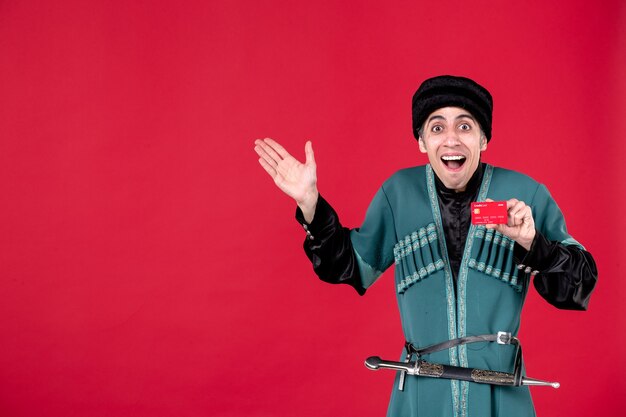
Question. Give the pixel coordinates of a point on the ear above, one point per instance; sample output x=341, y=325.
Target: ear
x=422, y=145
x=483, y=143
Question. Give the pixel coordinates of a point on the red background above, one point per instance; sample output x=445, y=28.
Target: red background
x=148, y=265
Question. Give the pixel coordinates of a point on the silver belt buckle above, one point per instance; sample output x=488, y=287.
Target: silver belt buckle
x=504, y=338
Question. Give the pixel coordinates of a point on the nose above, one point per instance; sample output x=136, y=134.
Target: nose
x=452, y=138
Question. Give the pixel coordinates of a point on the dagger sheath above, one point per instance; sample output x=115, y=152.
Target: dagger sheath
x=436, y=370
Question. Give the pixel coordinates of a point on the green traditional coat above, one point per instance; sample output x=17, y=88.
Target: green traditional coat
x=403, y=228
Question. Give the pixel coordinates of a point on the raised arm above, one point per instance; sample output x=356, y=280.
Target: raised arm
x=296, y=179
x=327, y=243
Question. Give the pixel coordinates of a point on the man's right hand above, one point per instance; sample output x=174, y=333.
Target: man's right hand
x=297, y=180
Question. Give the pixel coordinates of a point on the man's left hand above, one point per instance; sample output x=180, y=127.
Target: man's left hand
x=520, y=223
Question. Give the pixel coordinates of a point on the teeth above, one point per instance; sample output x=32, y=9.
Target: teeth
x=452, y=157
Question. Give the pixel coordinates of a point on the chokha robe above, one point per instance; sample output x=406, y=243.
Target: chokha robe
x=403, y=227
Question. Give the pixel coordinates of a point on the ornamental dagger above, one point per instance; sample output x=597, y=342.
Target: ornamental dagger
x=436, y=370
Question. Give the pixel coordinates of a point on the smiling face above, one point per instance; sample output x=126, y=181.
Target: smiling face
x=453, y=140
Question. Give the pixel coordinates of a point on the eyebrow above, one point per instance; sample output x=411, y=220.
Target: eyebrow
x=460, y=116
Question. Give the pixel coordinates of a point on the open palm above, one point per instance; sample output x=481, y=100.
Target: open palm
x=296, y=179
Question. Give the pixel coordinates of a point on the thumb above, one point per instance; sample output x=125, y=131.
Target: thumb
x=308, y=150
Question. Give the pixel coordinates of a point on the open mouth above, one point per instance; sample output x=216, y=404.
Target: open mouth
x=453, y=162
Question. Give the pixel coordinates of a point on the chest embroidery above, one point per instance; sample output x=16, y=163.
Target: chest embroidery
x=417, y=256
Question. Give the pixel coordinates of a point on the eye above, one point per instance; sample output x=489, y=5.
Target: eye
x=465, y=126
x=437, y=129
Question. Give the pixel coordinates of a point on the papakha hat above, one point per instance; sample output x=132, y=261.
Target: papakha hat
x=451, y=91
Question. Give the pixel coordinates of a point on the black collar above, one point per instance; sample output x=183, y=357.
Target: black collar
x=472, y=185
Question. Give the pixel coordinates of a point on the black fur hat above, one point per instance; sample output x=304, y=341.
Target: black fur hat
x=451, y=91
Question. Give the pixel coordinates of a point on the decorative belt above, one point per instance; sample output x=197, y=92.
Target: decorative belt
x=421, y=367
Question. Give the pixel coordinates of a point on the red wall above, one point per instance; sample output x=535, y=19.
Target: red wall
x=148, y=265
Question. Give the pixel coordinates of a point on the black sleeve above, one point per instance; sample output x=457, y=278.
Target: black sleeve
x=565, y=275
x=329, y=247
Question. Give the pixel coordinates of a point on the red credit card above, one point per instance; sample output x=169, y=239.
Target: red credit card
x=489, y=212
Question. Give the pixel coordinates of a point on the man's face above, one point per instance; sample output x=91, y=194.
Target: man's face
x=453, y=140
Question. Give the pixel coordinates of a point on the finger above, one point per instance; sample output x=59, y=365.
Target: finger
x=265, y=156
x=270, y=151
x=519, y=205
x=268, y=168
x=528, y=216
x=488, y=200
x=518, y=212
x=308, y=150
x=511, y=203
x=511, y=209
x=518, y=218
x=514, y=220
x=277, y=148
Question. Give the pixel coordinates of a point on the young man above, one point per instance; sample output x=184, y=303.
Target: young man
x=453, y=279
